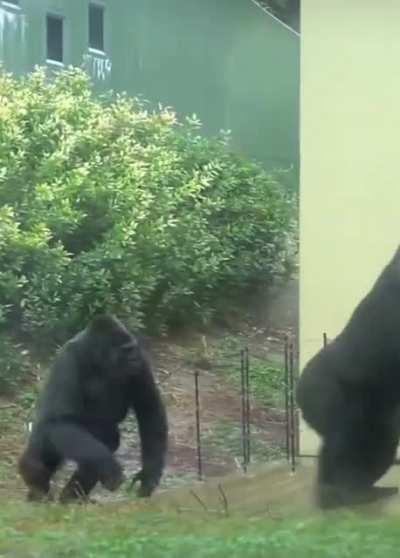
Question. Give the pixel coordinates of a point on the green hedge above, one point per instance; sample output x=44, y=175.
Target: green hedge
x=107, y=206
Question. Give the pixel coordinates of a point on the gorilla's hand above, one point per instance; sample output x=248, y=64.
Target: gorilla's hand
x=113, y=476
x=147, y=483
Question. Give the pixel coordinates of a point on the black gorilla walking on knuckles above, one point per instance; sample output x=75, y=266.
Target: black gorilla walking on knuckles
x=349, y=392
x=98, y=376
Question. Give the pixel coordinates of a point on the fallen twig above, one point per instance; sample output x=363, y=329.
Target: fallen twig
x=224, y=499
x=202, y=504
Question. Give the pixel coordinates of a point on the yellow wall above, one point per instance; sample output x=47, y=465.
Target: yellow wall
x=350, y=161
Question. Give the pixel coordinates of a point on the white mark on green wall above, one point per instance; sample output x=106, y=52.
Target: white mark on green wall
x=99, y=67
x=12, y=25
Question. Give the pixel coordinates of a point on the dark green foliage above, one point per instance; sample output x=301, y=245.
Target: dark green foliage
x=106, y=206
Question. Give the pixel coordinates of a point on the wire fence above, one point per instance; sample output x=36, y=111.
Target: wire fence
x=291, y=413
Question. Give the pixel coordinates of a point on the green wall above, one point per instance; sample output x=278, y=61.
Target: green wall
x=227, y=61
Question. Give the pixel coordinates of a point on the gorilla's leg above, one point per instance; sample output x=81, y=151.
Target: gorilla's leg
x=36, y=468
x=350, y=462
x=86, y=476
x=76, y=444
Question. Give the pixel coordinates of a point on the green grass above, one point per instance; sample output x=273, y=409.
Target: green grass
x=124, y=531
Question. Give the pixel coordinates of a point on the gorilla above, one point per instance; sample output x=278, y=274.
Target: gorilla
x=97, y=377
x=349, y=392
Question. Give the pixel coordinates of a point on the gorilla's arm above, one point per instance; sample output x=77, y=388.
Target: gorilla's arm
x=151, y=415
x=62, y=394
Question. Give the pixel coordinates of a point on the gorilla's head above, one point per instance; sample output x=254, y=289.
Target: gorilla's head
x=113, y=347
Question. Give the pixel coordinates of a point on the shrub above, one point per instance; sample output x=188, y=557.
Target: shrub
x=105, y=205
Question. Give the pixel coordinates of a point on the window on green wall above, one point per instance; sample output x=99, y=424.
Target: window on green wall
x=54, y=28
x=96, y=27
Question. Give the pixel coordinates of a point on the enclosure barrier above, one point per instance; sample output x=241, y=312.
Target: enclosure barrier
x=289, y=382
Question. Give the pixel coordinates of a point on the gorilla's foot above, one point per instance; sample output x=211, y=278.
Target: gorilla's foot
x=332, y=496
x=113, y=478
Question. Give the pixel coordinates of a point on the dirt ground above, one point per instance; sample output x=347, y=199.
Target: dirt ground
x=175, y=361
x=263, y=333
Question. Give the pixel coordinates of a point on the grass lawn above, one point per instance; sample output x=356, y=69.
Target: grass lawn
x=131, y=530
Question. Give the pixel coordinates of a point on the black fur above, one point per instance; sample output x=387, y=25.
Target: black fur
x=97, y=377
x=349, y=392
